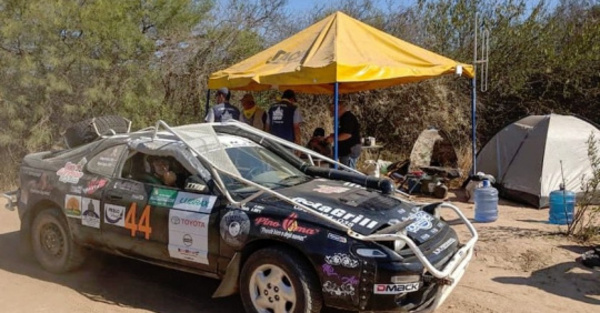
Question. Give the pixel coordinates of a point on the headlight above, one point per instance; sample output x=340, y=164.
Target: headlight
x=371, y=253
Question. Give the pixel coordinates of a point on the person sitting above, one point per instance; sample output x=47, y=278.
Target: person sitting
x=159, y=172
x=318, y=143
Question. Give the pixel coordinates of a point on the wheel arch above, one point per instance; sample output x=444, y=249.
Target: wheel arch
x=29, y=216
x=231, y=280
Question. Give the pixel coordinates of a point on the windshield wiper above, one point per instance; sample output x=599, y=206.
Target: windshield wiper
x=302, y=178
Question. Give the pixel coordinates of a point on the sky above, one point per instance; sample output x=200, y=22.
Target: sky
x=305, y=5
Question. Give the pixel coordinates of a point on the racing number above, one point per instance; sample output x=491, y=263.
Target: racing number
x=143, y=225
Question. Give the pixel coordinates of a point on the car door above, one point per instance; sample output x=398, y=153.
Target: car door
x=168, y=224
x=97, y=175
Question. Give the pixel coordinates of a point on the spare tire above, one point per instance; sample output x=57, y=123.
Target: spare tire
x=84, y=132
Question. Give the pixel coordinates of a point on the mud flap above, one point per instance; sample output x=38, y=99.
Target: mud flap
x=229, y=284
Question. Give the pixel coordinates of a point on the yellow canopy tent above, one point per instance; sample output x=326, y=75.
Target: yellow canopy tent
x=337, y=55
x=338, y=49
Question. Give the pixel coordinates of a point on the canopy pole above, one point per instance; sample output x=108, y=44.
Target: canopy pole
x=335, y=121
x=474, y=125
x=207, y=105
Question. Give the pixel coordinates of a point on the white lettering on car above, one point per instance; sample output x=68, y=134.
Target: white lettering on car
x=342, y=215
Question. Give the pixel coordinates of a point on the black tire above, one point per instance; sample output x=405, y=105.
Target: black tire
x=298, y=278
x=83, y=132
x=52, y=244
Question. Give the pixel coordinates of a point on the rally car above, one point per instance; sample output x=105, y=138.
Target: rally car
x=240, y=206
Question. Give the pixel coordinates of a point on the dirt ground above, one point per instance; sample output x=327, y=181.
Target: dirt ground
x=521, y=265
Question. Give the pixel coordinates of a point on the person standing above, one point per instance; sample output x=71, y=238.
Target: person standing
x=222, y=111
x=349, y=146
x=252, y=114
x=284, y=118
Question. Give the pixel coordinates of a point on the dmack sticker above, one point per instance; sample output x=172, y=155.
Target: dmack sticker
x=393, y=289
x=234, y=228
x=338, y=214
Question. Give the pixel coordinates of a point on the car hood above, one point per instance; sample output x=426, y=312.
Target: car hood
x=364, y=211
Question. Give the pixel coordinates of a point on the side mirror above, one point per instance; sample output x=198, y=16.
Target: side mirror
x=195, y=184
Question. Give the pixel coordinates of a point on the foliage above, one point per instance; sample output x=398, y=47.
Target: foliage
x=67, y=60
x=586, y=220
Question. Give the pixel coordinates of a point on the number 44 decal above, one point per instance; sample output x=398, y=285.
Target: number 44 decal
x=143, y=225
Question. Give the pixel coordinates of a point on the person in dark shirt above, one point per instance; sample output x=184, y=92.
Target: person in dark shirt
x=283, y=118
x=349, y=144
x=318, y=143
x=222, y=111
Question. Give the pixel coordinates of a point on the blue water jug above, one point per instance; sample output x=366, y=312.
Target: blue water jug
x=486, y=203
x=562, y=205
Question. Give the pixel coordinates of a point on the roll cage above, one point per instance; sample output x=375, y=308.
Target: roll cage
x=204, y=135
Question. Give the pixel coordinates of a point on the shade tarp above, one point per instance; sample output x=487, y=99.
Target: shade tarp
x=337, y=49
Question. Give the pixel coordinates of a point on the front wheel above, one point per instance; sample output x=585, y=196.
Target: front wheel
x=276, y=280
x=52, y=244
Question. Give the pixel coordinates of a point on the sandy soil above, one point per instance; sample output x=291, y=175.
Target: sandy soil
x=521, y=265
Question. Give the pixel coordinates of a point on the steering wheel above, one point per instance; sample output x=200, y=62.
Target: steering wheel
x=254, y=171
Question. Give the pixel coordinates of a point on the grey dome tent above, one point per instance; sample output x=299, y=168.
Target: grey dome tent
x=525, y=157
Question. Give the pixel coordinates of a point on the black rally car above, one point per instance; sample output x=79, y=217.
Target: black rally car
x=239, y=206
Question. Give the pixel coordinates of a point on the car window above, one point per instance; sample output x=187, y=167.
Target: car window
x=105, y=162
x=156, y=170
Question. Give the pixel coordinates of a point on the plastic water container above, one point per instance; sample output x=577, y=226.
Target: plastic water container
x=562, y=205
x=486, y=203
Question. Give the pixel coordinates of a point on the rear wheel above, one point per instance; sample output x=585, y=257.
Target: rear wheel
x=276, y=280
x=52, y=244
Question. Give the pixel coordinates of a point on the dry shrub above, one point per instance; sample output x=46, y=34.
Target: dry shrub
x=586, y=219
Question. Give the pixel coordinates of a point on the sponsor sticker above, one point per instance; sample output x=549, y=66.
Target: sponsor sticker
x=444, y=246
x=195, y=186
x=91, y=216
x=330, y=189
x=341, y=259
x=422, y=221
x=114, y=215
x=342, y=216
x=338, y=289
x=283, y=234
x=188, y=236
x=73, y=206
x=289, y=224
x=71, y=172
x=163, y=197
x=234, y=228
x=336, y=237
x=194, y=202
x=94, y=185
x=394, y=289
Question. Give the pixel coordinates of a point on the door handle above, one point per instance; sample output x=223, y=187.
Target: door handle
x=115, y=197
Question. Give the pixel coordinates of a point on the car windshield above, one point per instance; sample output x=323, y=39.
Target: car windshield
x=263, y=167
x=240, y=156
